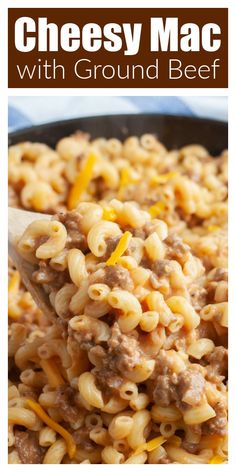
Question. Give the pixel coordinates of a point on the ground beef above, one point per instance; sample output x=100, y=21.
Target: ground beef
x=189, y=446
x=70, y=219
x=123, y=350
x=217, y=367
x=75, y=238
x=136, y=232
x=123, y=354
x=111, y=245
x=81, y=437
x=146, y=263
x=30, y=392
x=206, y=330
x=144, y=232
x=176, y=248
x=192, y=430
x=192, y=447
x=191, y=220
x=165, y=391
x=218, y=424
x=164, y=364
x=118, y=276
x=65, y=402
x=101, y=187
x=198, y=296
x=46, y=275
x=108, y=380
x=162, y=268
x=139, y=233
x=99, y=352
x=87, y=343
x=191, y=386
x=185, y=389
x=26, y=444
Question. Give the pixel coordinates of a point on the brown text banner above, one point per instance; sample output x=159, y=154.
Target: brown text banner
x=133, y=47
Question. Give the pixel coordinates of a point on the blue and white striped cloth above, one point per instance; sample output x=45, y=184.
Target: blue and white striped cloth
x=27, y=111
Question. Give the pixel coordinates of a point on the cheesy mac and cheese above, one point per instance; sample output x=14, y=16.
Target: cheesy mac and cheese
x=134, y=262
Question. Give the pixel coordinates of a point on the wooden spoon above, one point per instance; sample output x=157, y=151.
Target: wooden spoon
x=18, y=220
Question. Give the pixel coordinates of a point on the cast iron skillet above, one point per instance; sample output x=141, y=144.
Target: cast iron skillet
x=173, y=131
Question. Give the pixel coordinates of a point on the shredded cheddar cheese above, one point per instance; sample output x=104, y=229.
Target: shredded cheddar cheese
x=163, y=178
x=14, y=283
x=156, y=209
x=109, y=214
x=212, y=228
x=120, y=249
x=150, y=445
x=52, y=372
x=81, y=182
x=125, y=179
x=217, y=460
x=71, y=446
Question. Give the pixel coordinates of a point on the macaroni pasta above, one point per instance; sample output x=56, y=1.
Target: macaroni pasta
x=133, y=260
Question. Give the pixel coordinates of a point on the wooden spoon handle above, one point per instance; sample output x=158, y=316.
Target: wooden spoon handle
x=18, y=220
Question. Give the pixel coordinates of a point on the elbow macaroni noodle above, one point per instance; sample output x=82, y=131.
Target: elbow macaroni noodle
x=133, y=371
